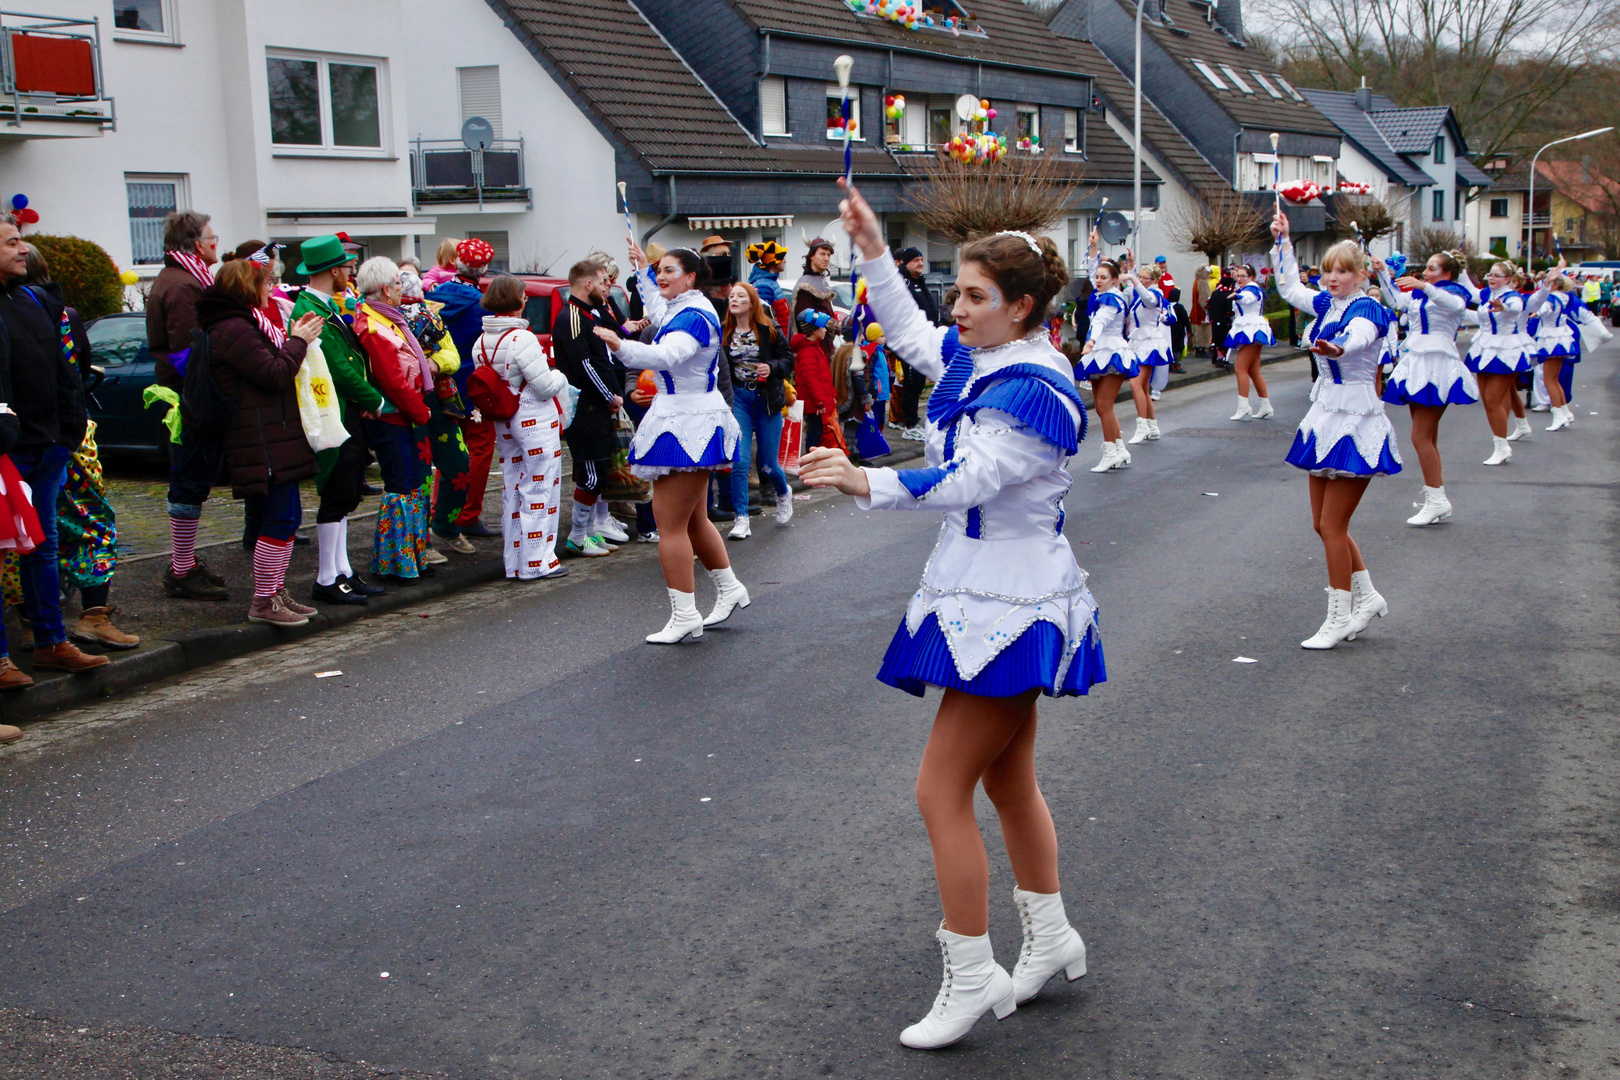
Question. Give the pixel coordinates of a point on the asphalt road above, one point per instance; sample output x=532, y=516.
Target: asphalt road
x=578, y=856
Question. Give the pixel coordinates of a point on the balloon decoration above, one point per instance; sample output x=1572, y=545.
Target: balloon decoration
x=1351, y=187
x=21, y=211
x=909, y=14
x=129, y=277
x=982, y=147
x=1396, y=263
x=1032, y=143
x=894, y=106
x=836, y=125
x=1300, y=191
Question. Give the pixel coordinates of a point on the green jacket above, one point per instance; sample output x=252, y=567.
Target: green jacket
x=345, y=359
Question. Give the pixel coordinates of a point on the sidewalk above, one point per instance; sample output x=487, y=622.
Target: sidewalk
x=179, y=635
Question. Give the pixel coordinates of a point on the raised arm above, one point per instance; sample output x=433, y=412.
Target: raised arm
x=653, y=304
x=1442, y=298
x=1149, y=298
x=1398, y=300
x=1289, y=287
x=910, y=334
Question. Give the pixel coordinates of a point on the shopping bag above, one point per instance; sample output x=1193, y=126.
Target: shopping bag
x=318, y=407
x=869, y=441
x=792, y=442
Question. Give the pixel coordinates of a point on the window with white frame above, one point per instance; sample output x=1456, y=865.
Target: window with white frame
x=1071, y=130
x=146, y=20
x=1029, y=123
x=1209, y=73
x=481, y=94
x=1236, y=79
x=326, y=103
x=151, y=199
x=835, y=112
x=1264, y=85
x=1499, y=208
x=773, y=105
x=1326, y=170
x=1439, y=149
x=1438, y=209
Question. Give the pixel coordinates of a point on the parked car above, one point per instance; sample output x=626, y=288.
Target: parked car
x=544, y=298
x=123, y=423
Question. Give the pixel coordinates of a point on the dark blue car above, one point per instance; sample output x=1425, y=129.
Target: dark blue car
x=118, y=347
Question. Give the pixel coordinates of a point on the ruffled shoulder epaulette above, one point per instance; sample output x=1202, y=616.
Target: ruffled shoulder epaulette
x=1456, y=289
x=1321, y=302
x=1034, y=396
x=1104, y=299
x=1367, y=308
x=957, y=361
x=697, y=322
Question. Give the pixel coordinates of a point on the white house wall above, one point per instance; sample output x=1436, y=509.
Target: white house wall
x=1356, y=166
x=568, y=163
x=1173, y=200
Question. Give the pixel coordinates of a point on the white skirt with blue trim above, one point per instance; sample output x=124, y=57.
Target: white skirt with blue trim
x=1248, y=329
x=1345, y=433
x=1556, y=344
x=1431, y=377
x=1500, y=354
x=684, y=433
x=1111, y=355
x=1152, y=347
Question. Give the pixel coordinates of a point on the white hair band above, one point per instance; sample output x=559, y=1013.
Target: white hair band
x=1024, y=236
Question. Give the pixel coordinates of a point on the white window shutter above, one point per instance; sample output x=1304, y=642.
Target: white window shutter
x=481, y=94
x=773, y=104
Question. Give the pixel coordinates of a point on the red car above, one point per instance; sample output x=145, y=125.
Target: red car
x=545, y=299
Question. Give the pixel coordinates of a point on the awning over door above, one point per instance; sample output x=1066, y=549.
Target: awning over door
x=778, y=221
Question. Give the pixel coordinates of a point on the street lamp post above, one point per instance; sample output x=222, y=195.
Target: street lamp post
x=1136, y=143
x=1530, y=209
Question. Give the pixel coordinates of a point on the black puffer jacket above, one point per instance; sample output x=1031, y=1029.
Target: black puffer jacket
x=266, y=444
x=773, y=351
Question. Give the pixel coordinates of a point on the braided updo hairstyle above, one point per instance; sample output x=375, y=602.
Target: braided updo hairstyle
x=1018, y=271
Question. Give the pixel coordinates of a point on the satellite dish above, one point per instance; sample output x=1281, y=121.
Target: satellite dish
x=477, y=133
x=834, y=231
x=966, y=106
x=1113, y=226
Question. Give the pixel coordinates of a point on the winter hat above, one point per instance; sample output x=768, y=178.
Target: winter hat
x=474, y=253
x=905, y=255
x=815, y=244
x=769, y=253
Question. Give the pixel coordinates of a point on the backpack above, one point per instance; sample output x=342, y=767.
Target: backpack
x=206, y=411
x=491, y=394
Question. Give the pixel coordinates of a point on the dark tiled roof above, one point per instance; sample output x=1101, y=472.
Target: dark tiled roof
x=1469, y=173
x=1358, y=127
x=1191, y=37
x=1159, y=136
x=1014, y=33
x=1412, y=131
x=623, y=72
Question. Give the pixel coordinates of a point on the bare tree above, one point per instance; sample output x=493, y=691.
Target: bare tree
x=1427, y=240
x=1498, y=63
x=1366, y=216
x=1220, y=222
x=1026, y=192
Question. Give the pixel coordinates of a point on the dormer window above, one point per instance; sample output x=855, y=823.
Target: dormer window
x=1264, y=85
x=1236, y=79
x=1209, y=73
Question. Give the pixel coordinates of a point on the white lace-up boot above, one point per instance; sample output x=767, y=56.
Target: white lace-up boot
x=729, y=596
x=1366, y=603
x=1143, y=426
x=1153, y=431
x=973, y=985
x=1264, y=409
x=1503, y=452
x=1124, y=454
x=1436, y=507
x=1563, y=417
x=1110, y=458
x=684, y=621
x=1243, y=412
x=1051, y=945
x=1337, y=626
x=1521, y=429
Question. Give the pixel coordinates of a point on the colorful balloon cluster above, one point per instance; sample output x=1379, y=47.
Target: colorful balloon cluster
x=894, y=106
x=1351, y=187
x=1031, y=143
x=20, y=211
x=1300, y=191
x=836, y=125
x=907, y=13
x=983, y=147
x=1396, y=263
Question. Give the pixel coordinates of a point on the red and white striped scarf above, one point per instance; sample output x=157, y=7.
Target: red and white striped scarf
x=199, y=270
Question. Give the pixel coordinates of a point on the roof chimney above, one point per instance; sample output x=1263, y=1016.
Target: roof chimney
x=1229, y=13
x=1363, y=96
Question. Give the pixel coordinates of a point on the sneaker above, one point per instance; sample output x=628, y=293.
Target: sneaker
x=741, y=530
x=1153, y=395
x=434, y=557
x=95, y=628
x=612, y=530
x=208, y=575
x=650, y=537
x=265, y=609
x=461, y=545
x=293, y=605
x=590, y=549
x=603, y=541
x=784, y=508
x=192, y=585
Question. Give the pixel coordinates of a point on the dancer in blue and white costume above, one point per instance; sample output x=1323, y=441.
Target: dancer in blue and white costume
x=1107, y=359
x=1251, y=331
x=1558, y=342
x=1003, y=614
x=1500, y=351
x=688, y=431
x=1345, y=439
x=1429, y=375
x=1148, y=320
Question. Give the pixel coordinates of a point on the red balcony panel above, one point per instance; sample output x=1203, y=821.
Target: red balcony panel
x=54, y=65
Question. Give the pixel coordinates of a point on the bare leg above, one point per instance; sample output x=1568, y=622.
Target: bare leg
x=678, y=499
x=1426, y=441
x=1515, y=400
x=1026, y=823
x=1139, y=393
x=1247, y=366
x=970, y=734
x=1104, y=389
x=1551, y=369
x=1494, y=391
x=1333, y=501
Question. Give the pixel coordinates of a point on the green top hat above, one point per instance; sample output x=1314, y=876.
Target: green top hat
x=322, y=253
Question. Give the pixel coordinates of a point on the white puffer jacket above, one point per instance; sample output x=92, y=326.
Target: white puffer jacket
x=518, y=357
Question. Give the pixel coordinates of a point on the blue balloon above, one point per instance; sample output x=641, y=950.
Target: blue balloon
x=19, y=202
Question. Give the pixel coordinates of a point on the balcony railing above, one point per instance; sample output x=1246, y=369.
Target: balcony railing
x=445, y=171
x=50, y=71
x=1538, y=219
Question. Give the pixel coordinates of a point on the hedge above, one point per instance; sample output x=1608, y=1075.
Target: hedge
x=87, y=274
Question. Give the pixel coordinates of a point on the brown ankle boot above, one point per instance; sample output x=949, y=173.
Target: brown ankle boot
x=65, y=657
x=12, y=677
x=95, y=628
